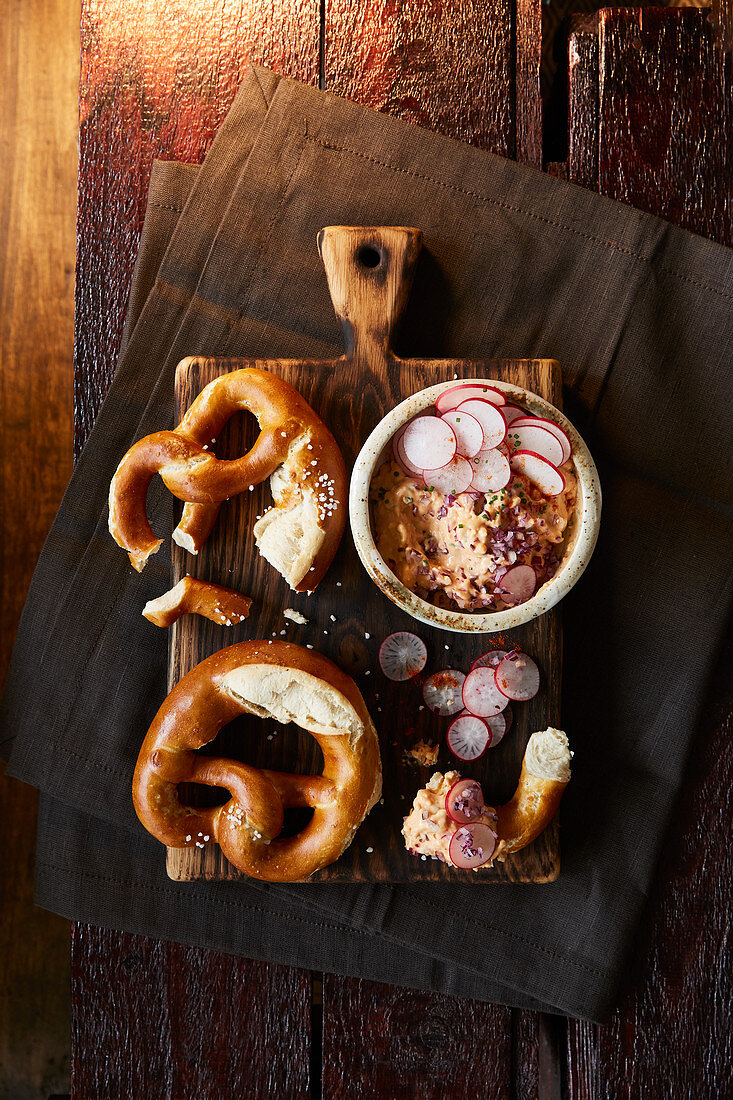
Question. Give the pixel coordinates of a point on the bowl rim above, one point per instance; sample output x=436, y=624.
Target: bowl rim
x=574, y=562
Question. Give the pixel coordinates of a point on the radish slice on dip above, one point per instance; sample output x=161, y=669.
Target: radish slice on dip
x=451, y=479
x=517, y=677
x=464, y=801
x=472, y=846
x=517, y=584
x=489, y=417
x=442, y=692
x=468, y=737
x=429, y=442
x=491, y=471
x=549, y=426
x=398, y=450
x=498, y=724
x=481, y=695
x=490, y=659
x=469, y=433
x=542, y=473
x=452, y=398
x=402, y=656
x=533, y=437
x=512, y=413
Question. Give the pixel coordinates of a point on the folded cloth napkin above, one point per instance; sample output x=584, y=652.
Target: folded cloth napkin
x=637, y=312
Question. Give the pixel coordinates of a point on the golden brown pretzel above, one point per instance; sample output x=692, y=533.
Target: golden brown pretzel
x=544, y=776
x=192, y=596
x=299, y=535
x=273, y=680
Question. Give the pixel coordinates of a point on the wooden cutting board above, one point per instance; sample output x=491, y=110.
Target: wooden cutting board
x=369, y=272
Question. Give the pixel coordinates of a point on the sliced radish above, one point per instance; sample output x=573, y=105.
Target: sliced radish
x=518, y=583
x=550, y=426
x=533, y=437
x=469, y=433
x=472, y=846
x=398, y=450
x=465, y=801
x=442, y=692
x=513, y=412
x=489, y=417
x=452, y=398
x=491, y=471
x=517, y=677
x=498, y=724
x=468, y=737
x=545, y=476
x=489, y=659
x=429, y=442
x=451, y=479
x=481, y=695
x=402, y=656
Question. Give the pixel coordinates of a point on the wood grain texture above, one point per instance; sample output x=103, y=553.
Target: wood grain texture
x=156, y=81
x=448, y=67
x=387, y=1042
x=527, y=90
x=351, y=395
x=163, y=1020
x=39, y=51
x=583, y=93
x=666, y=118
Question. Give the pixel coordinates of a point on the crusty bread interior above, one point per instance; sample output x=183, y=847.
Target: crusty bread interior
x=548, y=755
x=290, y=695
x=289, y=538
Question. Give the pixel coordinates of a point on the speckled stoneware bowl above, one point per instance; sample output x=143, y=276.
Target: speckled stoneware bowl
x=579, y=543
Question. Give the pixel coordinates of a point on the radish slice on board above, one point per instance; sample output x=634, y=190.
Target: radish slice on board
x=442, y=692
x=451, y=479
x=402, y=656
x=429, y=442
x=498, y=725
x=489, y=417
x=513, y=412
x=518, y=583
x=452, y=398
x=545, y=476
x=481, y=695
x=549, y=426
x=398, y=451
x=491, y=471
x=490, y=659
x=533, y=437
x=472, y=846
x=469, y=433
x=468, y=737
x=517, y=677
x=464, y=801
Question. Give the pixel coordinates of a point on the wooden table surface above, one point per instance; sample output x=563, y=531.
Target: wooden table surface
x=650, y=124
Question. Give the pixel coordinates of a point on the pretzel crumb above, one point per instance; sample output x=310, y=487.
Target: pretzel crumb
x=294, y=616
x=192, y=596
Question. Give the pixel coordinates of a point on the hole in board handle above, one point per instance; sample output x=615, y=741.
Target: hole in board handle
x=369, y=256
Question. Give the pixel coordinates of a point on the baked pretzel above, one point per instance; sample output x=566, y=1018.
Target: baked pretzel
x=272, y=680
x=299, y=535
x=192, y=596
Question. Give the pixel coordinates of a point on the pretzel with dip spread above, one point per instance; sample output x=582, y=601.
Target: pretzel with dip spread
x=275, y=680
x=299, y=535
x=449, y=820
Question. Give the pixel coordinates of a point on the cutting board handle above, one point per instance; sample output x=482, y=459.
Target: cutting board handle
x=369, y=271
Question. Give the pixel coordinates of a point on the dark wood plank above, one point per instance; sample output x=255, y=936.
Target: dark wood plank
x=156, y=81
x=162, y=1020
x=386, y=1042
x=37, y=135
x=583, y=94
x=666, y=117
x=527, y=91
x=448, y=67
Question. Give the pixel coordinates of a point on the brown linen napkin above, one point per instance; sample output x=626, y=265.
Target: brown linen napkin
x=518, y=264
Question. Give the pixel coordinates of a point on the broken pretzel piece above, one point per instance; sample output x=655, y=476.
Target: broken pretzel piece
x=195, y=597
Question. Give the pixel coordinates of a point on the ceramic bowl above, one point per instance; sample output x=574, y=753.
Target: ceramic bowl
x=580, y=538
